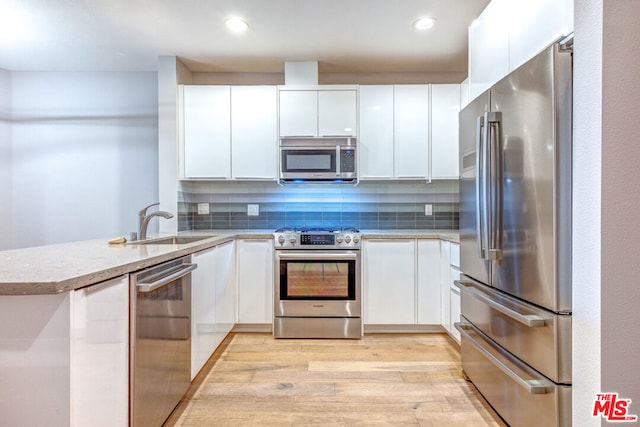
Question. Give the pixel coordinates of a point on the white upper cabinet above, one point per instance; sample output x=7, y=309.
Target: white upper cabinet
x=396, y=140
x=533, y=25
x=411, y=131
x=206, y=131
x=312, y=112
x=337, y=112
x=298, y=113
x=510, y=32
x=229, y=132
x=445, y=106
x=254, y=132
x=489, y=47
x=375, y=143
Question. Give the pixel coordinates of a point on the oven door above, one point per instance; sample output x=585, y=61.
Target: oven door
x=317, y=283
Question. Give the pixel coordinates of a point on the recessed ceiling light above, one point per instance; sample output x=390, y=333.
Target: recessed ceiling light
x=424, y=23
x=236, y=25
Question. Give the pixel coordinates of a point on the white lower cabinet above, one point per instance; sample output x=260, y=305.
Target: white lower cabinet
x=213, y=306
x=203, y=309
x=100, y=354
x=225, y=290
x=445, y=287
x=403, y=282
x=454, y=300
x=389, y=282
x=450, y=271
x=255, y=281
x=428, y=285
x=64, y=357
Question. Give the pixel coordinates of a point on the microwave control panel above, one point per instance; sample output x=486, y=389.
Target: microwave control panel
x=348, y=160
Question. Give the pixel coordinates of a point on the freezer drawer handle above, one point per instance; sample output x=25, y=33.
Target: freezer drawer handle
x=150, y=287
x=532, y=386
x=530, y=320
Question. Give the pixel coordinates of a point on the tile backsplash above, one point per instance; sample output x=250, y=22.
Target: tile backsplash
x=393, y=205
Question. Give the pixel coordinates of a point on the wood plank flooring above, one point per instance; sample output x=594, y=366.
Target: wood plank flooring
x=382, y=379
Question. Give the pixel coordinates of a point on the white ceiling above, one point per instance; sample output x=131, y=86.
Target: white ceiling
x=344, y=36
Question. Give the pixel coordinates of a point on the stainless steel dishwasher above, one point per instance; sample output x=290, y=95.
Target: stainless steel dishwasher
x=160, y=340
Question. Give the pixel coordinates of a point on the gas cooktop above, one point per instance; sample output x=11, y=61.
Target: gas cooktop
x=317, y=238
x=317, y=230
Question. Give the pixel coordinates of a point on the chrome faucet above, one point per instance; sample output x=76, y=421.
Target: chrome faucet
x=143, y=219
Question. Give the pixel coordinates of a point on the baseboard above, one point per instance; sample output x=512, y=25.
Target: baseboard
x=253, y=327
x=403, y=329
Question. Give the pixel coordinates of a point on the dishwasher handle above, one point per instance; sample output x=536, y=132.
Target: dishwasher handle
x=150, y=287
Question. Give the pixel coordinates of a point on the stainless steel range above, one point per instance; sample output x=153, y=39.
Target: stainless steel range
x=318, y=290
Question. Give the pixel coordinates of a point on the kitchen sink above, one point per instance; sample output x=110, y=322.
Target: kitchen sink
x=171, y=240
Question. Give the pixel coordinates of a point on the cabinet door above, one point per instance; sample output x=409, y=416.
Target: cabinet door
x=337, y=112
x=375, y=143
x=411, y=131
x=225, y=288
x=35, y=357
x=455, y=310
x=527, y=36
x=203, y=309
x=100, y=354
x=445, y=106
x=255, y=281
x=298, y=113
x=428, y=286
x=489, y=47
x=254, y=132
x=454, y=274
x=206, y=131
x=445, y=280
x=389, y=282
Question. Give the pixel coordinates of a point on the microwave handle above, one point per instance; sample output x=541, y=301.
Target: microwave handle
x=338, y=160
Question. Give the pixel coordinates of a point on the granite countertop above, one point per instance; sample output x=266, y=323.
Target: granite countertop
x=65, y=267
x=450, y=235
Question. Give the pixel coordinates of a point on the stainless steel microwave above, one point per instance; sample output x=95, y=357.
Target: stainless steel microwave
x=318, y=160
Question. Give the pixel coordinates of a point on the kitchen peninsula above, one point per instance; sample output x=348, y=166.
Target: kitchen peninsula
x=64, y=318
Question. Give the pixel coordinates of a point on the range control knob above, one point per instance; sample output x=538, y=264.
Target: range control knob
x=356, y=239
x=347, y=239
x=281, y=239
x=339, y=239
x=292, y=240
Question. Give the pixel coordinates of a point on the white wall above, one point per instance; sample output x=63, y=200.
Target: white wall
x=587, y=125
x=606, y=295
x=85, y=156
x=5, y=160
x=620, y=292
x=171, y=72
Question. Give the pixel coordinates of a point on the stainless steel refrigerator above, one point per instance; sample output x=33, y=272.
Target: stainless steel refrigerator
x=515, y=241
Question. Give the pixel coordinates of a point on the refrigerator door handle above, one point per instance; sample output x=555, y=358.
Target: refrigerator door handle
x=493, y=140
x=530, y=320
x=480, y=199
x=533, y=386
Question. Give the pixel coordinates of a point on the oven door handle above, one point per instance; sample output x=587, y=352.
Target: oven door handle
x=313, y=256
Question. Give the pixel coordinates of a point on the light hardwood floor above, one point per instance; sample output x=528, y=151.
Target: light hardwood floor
x=382, y=379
